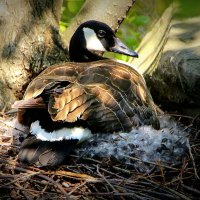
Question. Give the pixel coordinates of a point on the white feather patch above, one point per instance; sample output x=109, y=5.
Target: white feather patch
x=79, y=133
x=92, y=41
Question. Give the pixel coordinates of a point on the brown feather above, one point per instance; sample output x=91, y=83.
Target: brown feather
x=29, y=103
x=110, y=96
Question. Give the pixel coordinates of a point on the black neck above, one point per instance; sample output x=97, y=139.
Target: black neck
x=78, y=51
x=83, y=55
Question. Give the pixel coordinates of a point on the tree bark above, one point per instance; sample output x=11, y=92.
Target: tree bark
x=169, y=59
x=175, y=84
x=150, y=49
x=28, y=43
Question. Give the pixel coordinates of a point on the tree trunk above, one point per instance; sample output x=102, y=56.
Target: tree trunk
x=175, y=84
x=30, y=41
x=151, y=47
x=169, y=58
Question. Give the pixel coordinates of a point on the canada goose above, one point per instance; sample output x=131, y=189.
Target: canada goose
x=68, y=102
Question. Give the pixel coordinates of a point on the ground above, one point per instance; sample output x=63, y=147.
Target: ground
x=85, y=178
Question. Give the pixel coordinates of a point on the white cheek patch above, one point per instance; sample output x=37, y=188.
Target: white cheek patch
x=79, y=133
x=92, y=41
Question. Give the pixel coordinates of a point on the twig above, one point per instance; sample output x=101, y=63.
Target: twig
x=169, y=189
x=122, y=170
x=114, y=174
x=101, y=175
x=136, y=191
x=9, y=176
x=9, y=145
x=79, y=186
x=178, y=115
x=161, y=171
x=44, y=177
x=159, y=165
x=13, y=127
x=75, y=175
x=193, y=190
x=187, y=127
x=25, y=192
x=196, y=134
x=114, y=194
x=44, y=189
x=21, y=177
x=92, y=159
x=195, y=118
x=192, y=158
x=151, y=170
x=59, y=186
x=25, y=189
x=178, y=194
x=194, y=145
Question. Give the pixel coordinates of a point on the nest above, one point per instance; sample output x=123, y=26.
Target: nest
x=94, y=178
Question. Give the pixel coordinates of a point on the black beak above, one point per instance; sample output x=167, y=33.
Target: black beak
x=121, y=48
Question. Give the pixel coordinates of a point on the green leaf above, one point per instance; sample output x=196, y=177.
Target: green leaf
x=141, y=20
x=74, y=6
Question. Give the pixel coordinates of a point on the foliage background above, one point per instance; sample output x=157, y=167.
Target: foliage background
x=139, y=20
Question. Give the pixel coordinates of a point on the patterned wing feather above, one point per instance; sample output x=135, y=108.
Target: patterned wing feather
x=109, y=96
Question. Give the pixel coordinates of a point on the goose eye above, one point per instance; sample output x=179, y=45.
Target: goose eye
x=101, y=33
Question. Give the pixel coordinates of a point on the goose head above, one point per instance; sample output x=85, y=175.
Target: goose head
x=94, y=36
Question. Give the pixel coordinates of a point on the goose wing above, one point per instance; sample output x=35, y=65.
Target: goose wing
x=109, y=96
